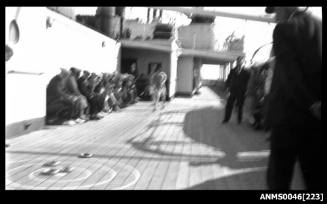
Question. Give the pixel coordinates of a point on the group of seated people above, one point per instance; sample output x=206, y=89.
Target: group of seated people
x=75, y=96
x=143, y=87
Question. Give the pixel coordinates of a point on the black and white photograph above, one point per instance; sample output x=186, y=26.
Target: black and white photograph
x=164, y=98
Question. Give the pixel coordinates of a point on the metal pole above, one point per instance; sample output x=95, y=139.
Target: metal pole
x=194, y=40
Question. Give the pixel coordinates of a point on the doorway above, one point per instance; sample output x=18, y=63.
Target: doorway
x=126, y=64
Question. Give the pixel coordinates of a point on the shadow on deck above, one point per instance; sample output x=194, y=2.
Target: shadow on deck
x=231, y=139
x=243, y=150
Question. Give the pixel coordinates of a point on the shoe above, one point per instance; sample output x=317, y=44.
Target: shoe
x=69, y=122
x=51, y=121
x=96, y=117
x=101, y=114
x=84, y=117
x=224, y=121
x=79, y=120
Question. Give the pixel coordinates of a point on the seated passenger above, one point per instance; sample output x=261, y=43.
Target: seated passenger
x=96, y=100
x=72, y=88
x=141, y=83
x=128, y=90
x=117, y=89
x=132, y=88
x=82, y=84
x=133, y=71
x=101, y=90
x=113, y=103
x=61, y=107
x=124, y=92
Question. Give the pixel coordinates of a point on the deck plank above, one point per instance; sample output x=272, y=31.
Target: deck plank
x=180, y=147
x=158, y=134
x=170, y=177
x=163, y=166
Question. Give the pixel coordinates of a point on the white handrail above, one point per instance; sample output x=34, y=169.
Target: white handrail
x=21, y=72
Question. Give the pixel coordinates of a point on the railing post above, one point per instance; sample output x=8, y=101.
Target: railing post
x=194, y=40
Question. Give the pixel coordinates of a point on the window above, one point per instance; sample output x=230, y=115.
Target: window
x=152, y=66
x=212, y=72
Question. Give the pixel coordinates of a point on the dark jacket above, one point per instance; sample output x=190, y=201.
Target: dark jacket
x=72, y=87
x=56, y=89
x=296, y=83
x=256, y=82
x=237, y=82
x=83, y=87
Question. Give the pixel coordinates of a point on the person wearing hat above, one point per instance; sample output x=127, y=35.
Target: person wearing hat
x=86, y=85
x=72, y=88
x=236, y=84
x=295, y=99
x=61, y=107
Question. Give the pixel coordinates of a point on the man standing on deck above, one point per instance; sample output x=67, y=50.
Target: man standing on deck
x=295, y=99
x=158, y=84
x=236, y=84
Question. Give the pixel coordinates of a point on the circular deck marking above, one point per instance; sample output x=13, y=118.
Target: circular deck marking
x=84, y=170
x=35, y=175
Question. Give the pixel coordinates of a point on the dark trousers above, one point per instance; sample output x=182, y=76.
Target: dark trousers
x=59, y=111
x=239, y=99
x=289, y=145
x=96, y=104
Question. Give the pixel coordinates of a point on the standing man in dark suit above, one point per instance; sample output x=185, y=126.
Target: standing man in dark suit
x=295, y=99
x=236, y=84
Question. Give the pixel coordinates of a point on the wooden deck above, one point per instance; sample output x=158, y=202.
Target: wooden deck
x=183, y=146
